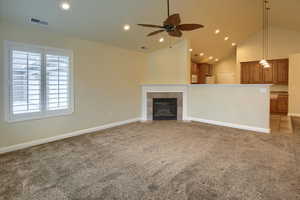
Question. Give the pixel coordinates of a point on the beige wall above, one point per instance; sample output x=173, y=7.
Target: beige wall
x=225, y=70
x=236, y=104
x=106, y=84
x=282, y=44
x=294, y=85
x=169, y=65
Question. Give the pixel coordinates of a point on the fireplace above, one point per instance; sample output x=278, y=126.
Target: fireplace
x=164, y=108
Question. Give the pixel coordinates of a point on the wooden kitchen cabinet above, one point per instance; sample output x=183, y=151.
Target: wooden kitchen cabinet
x=268, y=75
x=281, y=71
x=194, y=73
x=201, y=71
x=254, y=73
x=194, y=68
x=279, y=104
x=282, y=104
x=206, y=69
x=273, y=106
x=245, y=73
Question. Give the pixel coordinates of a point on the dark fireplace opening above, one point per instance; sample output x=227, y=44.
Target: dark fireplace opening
x=165, y=109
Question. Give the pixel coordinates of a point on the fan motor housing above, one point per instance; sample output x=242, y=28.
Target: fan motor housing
x=169, y=27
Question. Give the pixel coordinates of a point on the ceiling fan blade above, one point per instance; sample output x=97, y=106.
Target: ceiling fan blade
x=173, y=20
x=150, y=25
x=175, y=33
x=189, y=27
x=155, y=32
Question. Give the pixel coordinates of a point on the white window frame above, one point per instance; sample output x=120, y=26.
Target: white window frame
x=9, y=116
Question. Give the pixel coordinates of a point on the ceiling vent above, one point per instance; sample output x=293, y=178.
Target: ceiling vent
x=37, y=21
x=144, y=47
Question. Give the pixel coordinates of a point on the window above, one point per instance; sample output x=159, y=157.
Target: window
x=38, y=82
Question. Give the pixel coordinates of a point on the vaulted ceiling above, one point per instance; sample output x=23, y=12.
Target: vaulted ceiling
x=103, y=20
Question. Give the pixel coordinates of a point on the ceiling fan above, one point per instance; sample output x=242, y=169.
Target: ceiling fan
x=172, y=25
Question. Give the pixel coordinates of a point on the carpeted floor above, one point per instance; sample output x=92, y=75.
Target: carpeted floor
x=159, y=160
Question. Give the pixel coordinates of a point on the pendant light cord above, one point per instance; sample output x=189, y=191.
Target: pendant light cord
x=168, y=1
x=264, y=30
x=268, y=31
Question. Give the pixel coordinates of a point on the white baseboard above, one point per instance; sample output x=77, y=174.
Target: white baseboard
x=68, y=135
x=231, y=125
x=294, y=115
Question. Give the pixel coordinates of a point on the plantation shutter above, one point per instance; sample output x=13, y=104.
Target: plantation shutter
x=38, y=82
x=57, y=81
x=25, y=93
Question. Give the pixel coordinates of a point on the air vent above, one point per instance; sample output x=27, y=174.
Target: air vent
x=37, y=21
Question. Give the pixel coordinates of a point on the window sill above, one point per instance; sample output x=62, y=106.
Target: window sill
x=41, y=117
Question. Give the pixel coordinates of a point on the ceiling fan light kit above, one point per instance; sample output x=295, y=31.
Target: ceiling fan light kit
x=172, y=25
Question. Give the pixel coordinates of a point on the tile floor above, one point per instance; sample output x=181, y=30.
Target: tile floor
x=281, y=124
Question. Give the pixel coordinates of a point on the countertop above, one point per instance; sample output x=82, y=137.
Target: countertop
x=280, y=92
x=275, y=95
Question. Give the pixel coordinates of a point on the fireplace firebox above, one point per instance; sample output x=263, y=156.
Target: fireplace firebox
x=164, y=108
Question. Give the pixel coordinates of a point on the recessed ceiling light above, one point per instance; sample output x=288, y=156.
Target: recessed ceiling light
x=210, y=57
x=201, y=54
x=190, y=50
x=233, y=44
x=126, y=27
x=217, y=59
x=161, y=40
x=226, y=38
x=217, y=31
x=65, y=5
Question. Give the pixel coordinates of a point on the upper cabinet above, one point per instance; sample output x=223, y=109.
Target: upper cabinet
x=245, y=72
x=281, y=71
x=254, y=73
x=199, y=72
x=268, y=74
x=194, y=73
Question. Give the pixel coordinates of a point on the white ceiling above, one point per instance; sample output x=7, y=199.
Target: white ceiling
x=103, y=20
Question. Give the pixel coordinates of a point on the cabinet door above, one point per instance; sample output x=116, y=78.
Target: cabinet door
x=275, y=71
x=273, y=106
x=256, y=73
x=245, y=73
x=203, y=70
x=194, y=69
x=282, y=104
x=282, y=71
x=194, y=73
x=268, y=76
x=210, y=70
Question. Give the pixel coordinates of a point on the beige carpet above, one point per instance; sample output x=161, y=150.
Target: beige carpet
x=160, y=160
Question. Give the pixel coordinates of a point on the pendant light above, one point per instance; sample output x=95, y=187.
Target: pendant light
x=266, y=34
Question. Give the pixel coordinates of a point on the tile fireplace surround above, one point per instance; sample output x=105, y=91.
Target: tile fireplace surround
x=152, y=95
x=164, y=91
